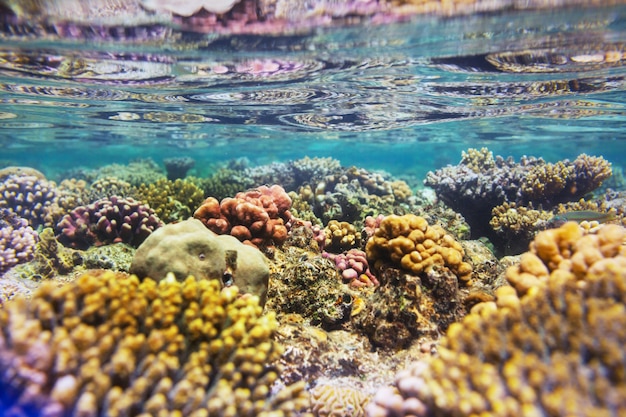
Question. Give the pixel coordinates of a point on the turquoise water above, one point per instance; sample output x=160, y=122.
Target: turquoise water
x=403, y=97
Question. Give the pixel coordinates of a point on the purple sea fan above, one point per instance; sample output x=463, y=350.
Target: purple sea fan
x=108, y=221
x=17, y=240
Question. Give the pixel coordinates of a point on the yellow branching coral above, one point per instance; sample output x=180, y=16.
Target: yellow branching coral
x=341, y=236
x=401, y=190
x=412, y=244
x=478, y=160
x=112, y=345
x=510, y=219
x=546, y=180
x=552, y=347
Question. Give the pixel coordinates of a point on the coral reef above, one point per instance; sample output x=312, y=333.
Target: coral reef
x=517, y=225
x=337, y=401
x=136, y=172
x=114, y=345
x=551, y=344
x=177, y=167
x=411, y=243
x=171, y=200
x=107, y=187
x=353, y=267
x=480, y=183
x=188, y=248
x=17, y=240
x=30, y=197
x=225, y=182
x=107, y=221
x=257, y=216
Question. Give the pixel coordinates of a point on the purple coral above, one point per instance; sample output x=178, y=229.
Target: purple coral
x=29, y=197
x=17, y=240
x=108, y=221
x=353, y=267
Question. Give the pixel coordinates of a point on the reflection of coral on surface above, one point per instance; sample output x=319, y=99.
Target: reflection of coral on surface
x=411, y=243
x=257, y=216
x=17, y=240
x=109, y=344
x=107, y=221
x=550, y=345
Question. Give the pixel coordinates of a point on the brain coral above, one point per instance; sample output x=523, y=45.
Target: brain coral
x=113, y=345
x=550, y=345
x=411, y=243
x=188, y=248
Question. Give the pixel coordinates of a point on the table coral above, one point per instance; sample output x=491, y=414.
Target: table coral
x=188, y=248
x=28, y=196
x=550, y=345
x=107, y=221
x=110, y=344
x=17, y=240
x=257, y=216
x=411, y=243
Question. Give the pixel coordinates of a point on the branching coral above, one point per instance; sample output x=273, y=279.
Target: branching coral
x=112, y=345
x=478, y=160
x=171, y=200
x=108, y=221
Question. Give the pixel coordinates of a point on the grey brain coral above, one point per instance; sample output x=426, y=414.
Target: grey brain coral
x=189, y=248
x=111, y=345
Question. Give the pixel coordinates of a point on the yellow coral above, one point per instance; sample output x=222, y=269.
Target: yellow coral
x=113, y=345
x=546, y=180
x=338, y=401
x=171, y=200
x=551, y=347
x=411, y=243
x=478, y=160
x=341, y=236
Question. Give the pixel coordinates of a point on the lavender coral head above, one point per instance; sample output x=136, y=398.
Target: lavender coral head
x=17, y=240
x=108, y=221
x=28, y=196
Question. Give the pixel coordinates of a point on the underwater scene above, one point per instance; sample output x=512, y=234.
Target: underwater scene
x=312, y=208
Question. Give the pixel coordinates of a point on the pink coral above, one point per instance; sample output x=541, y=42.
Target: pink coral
x=353, y=267
x=259, y=216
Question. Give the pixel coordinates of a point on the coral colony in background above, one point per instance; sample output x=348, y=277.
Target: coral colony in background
x=307, y=288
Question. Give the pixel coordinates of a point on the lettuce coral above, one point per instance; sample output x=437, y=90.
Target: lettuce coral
x=110, y=344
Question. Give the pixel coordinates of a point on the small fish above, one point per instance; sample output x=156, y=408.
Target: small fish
x=583, y=215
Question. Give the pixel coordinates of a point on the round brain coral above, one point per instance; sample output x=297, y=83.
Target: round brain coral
x=411, y=243
x=111, y=345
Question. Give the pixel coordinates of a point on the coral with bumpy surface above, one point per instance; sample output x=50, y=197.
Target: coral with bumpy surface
x=111, y=344
x=188, y=248
x=257, y=216
x=171, y=200
x=107, y=221
x=411, y=243
x=341, y=236
x=17, y=240
x=550, y=345
x=354, y=267
x=29, y=196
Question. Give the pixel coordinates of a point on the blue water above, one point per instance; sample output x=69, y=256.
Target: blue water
x=405, y=97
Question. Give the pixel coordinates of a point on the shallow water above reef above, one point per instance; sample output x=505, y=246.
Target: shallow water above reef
x=404, y=97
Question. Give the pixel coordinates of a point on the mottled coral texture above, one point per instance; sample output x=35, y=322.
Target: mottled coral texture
x=29, y=197
x=112, y=345
x=552, y=344
x=410, y=243
x=107, y=221
x=257, y=216
x=17, y=240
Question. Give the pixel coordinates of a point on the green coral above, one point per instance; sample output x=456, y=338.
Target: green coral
x=171, y=200
x=225, y=182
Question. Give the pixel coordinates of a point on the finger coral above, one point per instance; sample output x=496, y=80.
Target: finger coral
x=113, y=345
x=550, y=345
x=107, y=221
x=257, y=216
x=28, y=196
x=411, y=243
x=17, y=240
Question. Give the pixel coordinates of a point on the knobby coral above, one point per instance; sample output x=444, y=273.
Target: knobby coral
x=17, y=240
x=28, y=196
x=411, y=243
x=107, y=221
x=113, y=345
x=551, y=344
